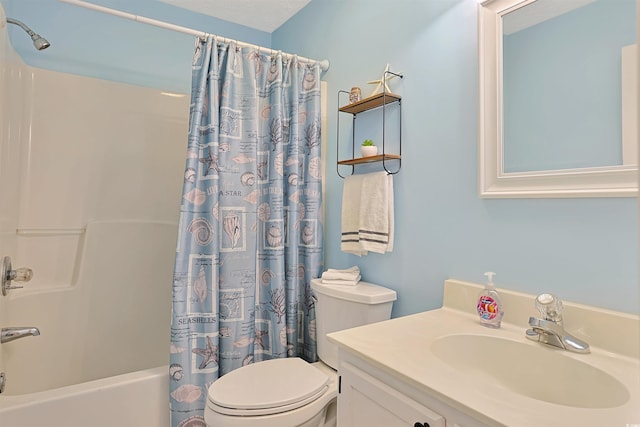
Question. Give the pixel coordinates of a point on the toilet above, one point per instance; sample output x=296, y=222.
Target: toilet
x=291, y=392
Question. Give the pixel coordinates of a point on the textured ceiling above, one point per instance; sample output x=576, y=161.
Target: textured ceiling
x=263, y=15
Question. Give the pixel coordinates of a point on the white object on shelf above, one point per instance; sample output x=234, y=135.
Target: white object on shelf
x=368, y=150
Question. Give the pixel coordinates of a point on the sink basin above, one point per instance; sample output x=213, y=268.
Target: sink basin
x=538, y=371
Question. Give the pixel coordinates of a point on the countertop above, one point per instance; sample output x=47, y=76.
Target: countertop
x=402, y=348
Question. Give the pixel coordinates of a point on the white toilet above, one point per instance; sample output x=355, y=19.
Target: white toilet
x=291, y=392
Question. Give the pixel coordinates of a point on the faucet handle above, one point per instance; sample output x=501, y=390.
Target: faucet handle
x=550, y=307
x=8, y=274
x=22, y=274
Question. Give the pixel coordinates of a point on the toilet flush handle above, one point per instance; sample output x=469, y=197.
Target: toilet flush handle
x=7, y=275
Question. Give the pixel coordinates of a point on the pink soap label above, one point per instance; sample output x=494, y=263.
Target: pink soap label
x=487, y=308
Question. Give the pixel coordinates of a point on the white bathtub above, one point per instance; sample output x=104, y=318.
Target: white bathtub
x=138, y=399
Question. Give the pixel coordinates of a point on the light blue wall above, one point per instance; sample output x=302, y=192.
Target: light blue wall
x=90, y=43
x=585, y=250
x=563, y=89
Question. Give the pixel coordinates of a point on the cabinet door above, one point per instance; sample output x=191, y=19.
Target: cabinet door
x=365, y=401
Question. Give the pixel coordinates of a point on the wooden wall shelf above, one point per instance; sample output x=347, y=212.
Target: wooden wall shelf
x=367, y=104
x=370, y=159
x=371, y=102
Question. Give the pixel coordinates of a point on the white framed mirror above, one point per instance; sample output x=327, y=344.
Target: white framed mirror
x=558, y=98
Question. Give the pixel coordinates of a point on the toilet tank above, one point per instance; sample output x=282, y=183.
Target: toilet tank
x=341, y=307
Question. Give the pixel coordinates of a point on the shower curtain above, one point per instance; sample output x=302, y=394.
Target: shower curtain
x=250, y=233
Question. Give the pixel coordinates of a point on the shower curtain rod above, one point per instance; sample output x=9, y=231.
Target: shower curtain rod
x=324, y=64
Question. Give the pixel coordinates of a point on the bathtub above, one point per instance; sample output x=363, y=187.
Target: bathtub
x=137, y=399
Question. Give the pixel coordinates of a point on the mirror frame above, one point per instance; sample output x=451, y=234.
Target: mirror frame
x=608, y=181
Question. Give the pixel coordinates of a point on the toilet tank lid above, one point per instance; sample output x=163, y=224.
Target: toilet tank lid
x=363, y=292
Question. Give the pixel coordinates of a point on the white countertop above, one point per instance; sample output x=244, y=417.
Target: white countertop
x=401, y=347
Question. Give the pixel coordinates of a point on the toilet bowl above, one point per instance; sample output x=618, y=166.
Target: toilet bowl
x=291, y=392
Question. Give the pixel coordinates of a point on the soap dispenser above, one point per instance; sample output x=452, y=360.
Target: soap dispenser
x=489, y=305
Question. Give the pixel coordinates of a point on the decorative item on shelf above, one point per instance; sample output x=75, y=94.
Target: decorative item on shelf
x=382, y=82
x=368, y=148
x=355, y=95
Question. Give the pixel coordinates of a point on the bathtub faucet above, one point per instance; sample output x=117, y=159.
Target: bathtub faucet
x=10, y=334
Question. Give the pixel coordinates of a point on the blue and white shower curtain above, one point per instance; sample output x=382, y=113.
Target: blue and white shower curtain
x=250, y=233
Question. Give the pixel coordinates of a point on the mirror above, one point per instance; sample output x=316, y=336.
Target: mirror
x=558, y=98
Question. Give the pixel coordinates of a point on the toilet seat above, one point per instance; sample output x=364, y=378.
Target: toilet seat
x=285, y=385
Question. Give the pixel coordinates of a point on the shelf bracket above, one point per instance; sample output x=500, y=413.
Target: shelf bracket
x=338, y=139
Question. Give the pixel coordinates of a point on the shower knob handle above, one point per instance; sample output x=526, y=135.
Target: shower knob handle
x=22, y=274
x=7, y=275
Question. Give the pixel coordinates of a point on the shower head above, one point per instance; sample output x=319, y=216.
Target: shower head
x=39, y=42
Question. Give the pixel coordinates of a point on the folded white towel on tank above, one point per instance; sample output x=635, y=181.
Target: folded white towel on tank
x=342, y=282
x=346, y=274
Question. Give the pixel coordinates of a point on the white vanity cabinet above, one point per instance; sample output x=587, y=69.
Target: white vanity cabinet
x=370, y=397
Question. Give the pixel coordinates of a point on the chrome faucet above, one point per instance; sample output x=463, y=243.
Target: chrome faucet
x=10, y=334
x=549, y=330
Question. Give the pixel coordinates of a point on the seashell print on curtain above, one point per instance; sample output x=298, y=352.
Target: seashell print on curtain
x=250, y=235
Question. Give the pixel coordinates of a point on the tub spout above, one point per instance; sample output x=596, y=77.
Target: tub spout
x=10, y=334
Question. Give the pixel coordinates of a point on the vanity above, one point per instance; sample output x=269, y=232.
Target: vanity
x=442, y=368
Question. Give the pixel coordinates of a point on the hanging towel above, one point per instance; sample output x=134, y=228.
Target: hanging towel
x=351, y=273
x=350, y=241
x=375, y=232
x=367, y=213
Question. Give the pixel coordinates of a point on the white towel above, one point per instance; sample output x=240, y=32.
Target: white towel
x=351, y=273
x=367, y=213
x=376, y=207
x=351, y=215
x=342, y=282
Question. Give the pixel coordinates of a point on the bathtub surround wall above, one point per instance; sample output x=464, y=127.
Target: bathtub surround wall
x=103, y=324
x=90, y=172
x=10, y=88
x=584, y=250
x=106, y=154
